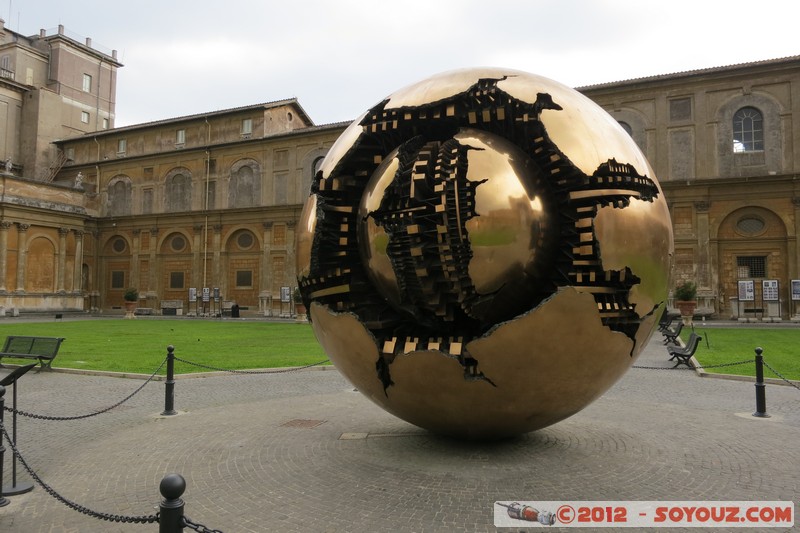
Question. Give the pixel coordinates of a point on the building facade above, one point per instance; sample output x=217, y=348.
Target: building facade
x=211, y=200
x=725, y=144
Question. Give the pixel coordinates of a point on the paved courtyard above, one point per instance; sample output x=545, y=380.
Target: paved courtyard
x=302, y=451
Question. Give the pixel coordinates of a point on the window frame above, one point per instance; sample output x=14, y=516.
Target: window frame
x=85, y=117
x=87, y=83
x=175, y=277
x=117, y=280
x=748, y=130
x=247, y=126
x=180, y=137
x=249, y=273
x=122, y=146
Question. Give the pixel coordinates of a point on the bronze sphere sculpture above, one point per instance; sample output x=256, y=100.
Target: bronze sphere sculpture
x=484, y=252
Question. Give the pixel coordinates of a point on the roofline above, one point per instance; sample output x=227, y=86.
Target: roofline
x=310, y=130
x=189, y=118
x=726, y=69
x=86, y=49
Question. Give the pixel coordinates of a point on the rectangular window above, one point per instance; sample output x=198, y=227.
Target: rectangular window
x=680, y=109
x=69, y=153
x=122, y=146
x=147, y=201
x=281, y=193
x=247, y=126
x=176, y=280
x=244, y=279
x=212, y=166
x=748, y=267
x=180, y=137
x=85, y=117
x=117, y=279
x=87, y=83
x=211, y=196
x=105, y=123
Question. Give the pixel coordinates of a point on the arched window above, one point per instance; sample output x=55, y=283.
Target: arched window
x=748, y=130
x=242, y=188
x=626, y=127
x=179, y=193
x=119, y=198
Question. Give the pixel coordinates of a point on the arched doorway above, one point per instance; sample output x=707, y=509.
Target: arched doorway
x=753, y=247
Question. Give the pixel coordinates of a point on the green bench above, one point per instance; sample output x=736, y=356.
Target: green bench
x=43, y=349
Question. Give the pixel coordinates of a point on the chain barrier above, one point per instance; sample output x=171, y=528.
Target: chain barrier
x=197, y=527
x=780, y=375
x=698, y=367
x=145, y=519
x=78, y=417
x=281, y=371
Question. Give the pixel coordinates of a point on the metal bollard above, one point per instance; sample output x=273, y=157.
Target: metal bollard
x=170, y=516
x=3, y=500
x=761, y=393
x=169, y=395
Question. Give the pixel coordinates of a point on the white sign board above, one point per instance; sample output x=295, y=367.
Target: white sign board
x=796, y=289
x=769, y=290
x=192, y=294
x=747, y=290
x=285, y=294
x=206, y=294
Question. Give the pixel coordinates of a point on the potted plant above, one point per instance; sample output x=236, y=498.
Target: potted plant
x=131, y=298
x=686, y=300
x=299, y=306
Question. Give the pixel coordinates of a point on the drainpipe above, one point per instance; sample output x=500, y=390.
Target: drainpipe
x=205, y=207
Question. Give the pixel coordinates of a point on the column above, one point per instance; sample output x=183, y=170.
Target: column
x=22, y=254
x=197, y=256
x=154, y=268
x=291, y=267
x=135, y=250
x=704, y=286
x=77, y=275
x=4, y=225
x=216, y=266
x=793, y=262
x=62, y=260
x=265, y=295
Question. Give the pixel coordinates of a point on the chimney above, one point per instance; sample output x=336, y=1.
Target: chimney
x=89, y=42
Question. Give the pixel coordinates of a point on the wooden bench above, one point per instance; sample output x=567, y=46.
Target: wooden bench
x=44, y=349
x=683, y=354
x=671, y=334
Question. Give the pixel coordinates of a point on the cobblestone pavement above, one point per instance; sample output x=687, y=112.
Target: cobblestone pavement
x=302, y=451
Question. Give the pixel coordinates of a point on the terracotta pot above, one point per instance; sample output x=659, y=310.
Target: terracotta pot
x=130, y=307
x=686, y=308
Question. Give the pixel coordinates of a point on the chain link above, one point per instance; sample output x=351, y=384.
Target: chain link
x=281, y=371
x=198, y=527
x=779, y=374
x=78, y=417
x=147, y=519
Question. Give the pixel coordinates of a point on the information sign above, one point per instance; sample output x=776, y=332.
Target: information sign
x=796, y=289
x=747, y=290
x=769, y=290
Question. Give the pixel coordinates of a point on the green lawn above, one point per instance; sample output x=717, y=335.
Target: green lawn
x=141, y=345
x=727, y=345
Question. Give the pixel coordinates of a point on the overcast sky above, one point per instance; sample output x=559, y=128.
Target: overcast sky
x=338, y=58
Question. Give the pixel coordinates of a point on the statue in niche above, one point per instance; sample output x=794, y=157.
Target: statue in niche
x=79, y=181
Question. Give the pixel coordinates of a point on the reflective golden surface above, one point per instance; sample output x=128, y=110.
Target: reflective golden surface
x=485, y=252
